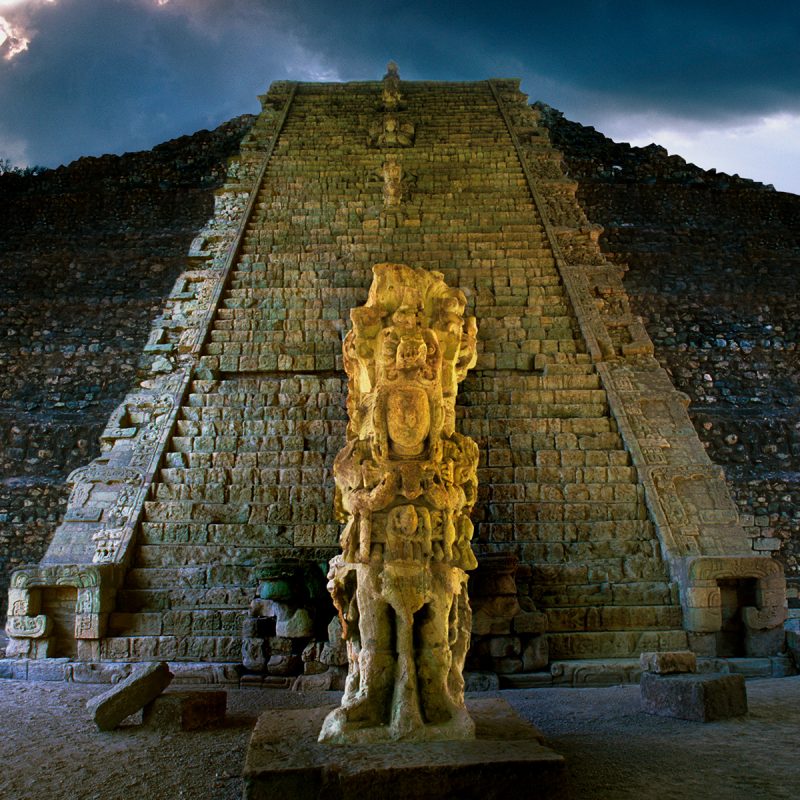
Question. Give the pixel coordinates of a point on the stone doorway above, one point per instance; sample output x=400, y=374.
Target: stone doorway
x=58, y=603
x=735, y=595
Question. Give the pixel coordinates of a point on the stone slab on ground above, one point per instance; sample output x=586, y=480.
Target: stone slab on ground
x=284, y=759
x=700, y=698
x=671, y=662
x=127, y=697
x=186, y=711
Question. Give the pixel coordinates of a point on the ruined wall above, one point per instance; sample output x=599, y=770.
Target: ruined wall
x=714, y=268
x=87, y=254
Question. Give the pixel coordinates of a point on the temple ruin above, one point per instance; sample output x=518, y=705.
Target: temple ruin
x=203, y=531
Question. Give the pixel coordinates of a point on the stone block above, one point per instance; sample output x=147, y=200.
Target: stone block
x=253, y=654
x=481, y=682
x=285, y=759
x=321, y=682
x=484, y=624
x=700, y=698
x=675, y=661
x=764, y=643
x=535, y=654
x=128, y=696
x=186, y=711
x=99, y=673
x=298, y=626
x=49, y=669
x=530, y=622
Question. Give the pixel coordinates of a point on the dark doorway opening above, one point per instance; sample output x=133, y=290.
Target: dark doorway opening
x=58, y=603
x=736, y=594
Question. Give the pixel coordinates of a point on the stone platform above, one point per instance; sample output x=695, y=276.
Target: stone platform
x=700, y=698
x=284, y=759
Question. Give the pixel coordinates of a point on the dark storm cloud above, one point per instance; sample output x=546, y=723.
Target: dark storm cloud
x=708, y=59
x=114, y=75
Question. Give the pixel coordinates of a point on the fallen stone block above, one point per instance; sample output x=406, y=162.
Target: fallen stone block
x=700, y=698
x=676, y=661
x=186, y=711
x=128, y=696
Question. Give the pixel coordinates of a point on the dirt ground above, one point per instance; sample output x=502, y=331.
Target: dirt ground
x=50, y=749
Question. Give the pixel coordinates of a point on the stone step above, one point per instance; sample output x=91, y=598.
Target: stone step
x=566, y=512
x=613, y=618
x=244, y=444
x=587, y=552
x=265, y=459
x=183, y=598
x=223, y=649
x=294, y=504
x=253, y=477
x=168, y=555
x=193, y=577
x=613, y=644
x=205, y=622
x=246, y=535
x=503, y=426
x=555, y=458
x=618, y=571
x=563, y=492
x=542, y=411
x=603, y=593
x=532, y=535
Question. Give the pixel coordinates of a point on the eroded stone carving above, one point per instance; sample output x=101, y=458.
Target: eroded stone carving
x=390, y=96
x=392, y=183
x=405, y=485
x=392, y=131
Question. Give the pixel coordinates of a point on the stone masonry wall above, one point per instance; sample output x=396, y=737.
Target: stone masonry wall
x=714, y=268
x=87, y=254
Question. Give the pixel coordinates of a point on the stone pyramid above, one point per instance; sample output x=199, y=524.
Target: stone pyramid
x=617, y=533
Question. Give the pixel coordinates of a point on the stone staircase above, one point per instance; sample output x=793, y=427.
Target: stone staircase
x=248, y=473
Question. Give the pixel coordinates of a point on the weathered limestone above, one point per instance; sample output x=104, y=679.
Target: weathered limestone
x=405, y=485
x=700, y=698
x=285, y=759
x=186, y=711
x=669, y=663
x=670, y=688
x=141, y=687
x=590, y=472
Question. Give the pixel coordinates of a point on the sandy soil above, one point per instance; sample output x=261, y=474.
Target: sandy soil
x=50, y=749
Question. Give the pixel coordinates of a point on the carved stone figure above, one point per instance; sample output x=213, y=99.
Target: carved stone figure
x=392, y=183
x=405, y=485
x=391, y=131
x=390, y=96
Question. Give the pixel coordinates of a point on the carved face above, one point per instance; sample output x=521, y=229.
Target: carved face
x=408, y=420
x=403, y=519
x=411, y=352
x=405, y=317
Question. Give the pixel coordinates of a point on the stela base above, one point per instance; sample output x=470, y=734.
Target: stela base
x=284, y=759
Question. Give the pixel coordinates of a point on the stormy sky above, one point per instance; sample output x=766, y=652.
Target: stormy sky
x=716, y=82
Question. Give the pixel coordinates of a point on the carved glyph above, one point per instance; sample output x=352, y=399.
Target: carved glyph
x=405, y=485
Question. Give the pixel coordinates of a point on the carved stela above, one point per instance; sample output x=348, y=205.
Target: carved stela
x=405, y=485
